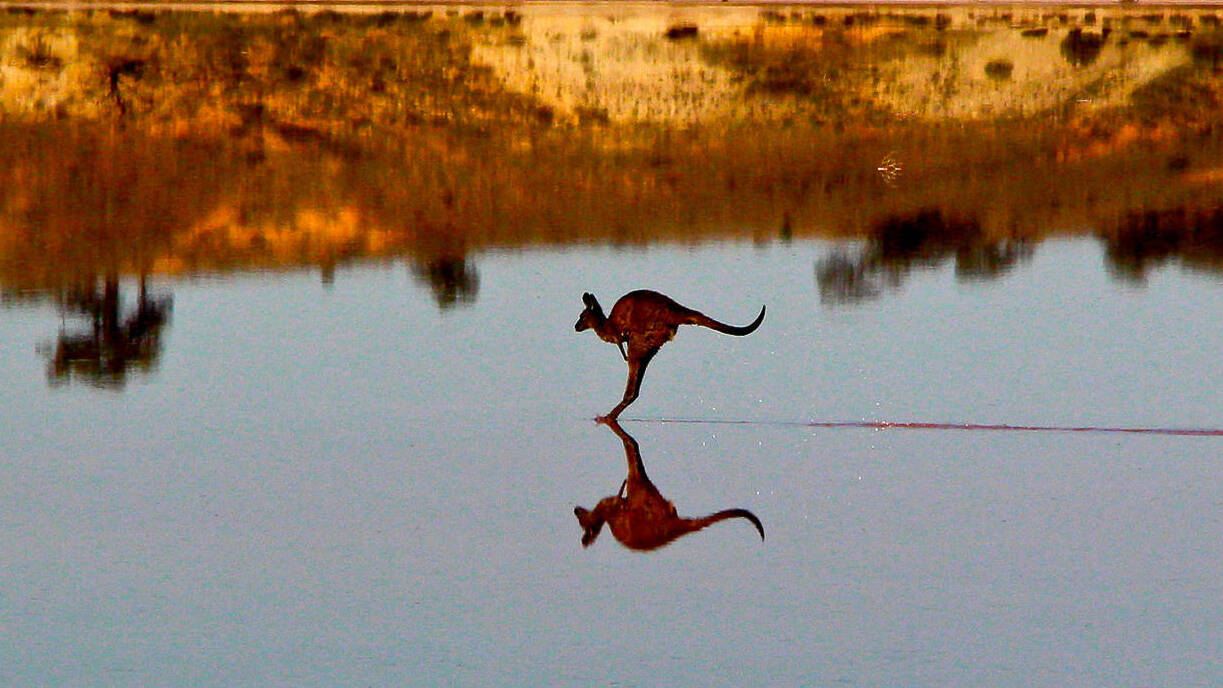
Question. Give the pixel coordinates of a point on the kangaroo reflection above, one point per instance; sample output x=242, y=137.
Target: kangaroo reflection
x=115, y=341
x=639, y=516
x=645, y=320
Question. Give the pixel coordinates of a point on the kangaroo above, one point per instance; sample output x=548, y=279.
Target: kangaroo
x=639, y=516
x=645, y=320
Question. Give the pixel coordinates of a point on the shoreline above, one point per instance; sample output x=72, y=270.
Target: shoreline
x=372, y=5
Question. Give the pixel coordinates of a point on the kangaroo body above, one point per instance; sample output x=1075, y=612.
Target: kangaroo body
x=639, y=324
x=639, y=517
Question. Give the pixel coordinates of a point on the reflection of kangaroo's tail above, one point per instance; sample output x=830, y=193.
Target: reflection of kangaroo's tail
x=730, y=513
x=703, y=320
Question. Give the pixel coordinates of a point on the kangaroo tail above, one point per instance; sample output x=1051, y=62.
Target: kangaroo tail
x=734, y=513
x=706, y=321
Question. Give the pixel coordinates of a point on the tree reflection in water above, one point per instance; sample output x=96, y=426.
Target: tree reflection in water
x=638, y=515
x=925, y=239
x=1148, y=239
x=453, y=281
x=115, y=341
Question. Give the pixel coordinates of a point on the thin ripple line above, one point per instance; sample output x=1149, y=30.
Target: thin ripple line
x=998, y=427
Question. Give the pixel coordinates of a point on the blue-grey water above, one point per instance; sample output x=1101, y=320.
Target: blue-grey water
x=339, y=483
x=291, y=395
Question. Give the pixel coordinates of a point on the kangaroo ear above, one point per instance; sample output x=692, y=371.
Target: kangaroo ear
x=589, y=299
x=590, y=526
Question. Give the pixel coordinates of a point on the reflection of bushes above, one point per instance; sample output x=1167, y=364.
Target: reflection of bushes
x=925, y=239
x=1144, y=240
x=922, y=238
x=116, y=340
x=75, y=201
x=453, y=281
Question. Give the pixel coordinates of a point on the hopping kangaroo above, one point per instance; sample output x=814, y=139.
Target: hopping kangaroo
x=639, y=516
x=645, y=320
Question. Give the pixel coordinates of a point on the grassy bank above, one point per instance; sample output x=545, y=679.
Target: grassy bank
x=155, y=141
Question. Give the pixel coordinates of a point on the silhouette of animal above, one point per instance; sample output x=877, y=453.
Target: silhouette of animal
x=639, y=516
x=645, y=320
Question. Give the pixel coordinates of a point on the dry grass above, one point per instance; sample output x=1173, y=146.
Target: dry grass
x=183, y=142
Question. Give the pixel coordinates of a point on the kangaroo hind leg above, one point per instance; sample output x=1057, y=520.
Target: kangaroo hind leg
x=637, y=363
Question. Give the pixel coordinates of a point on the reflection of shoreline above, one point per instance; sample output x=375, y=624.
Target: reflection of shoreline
x=78, y=203
x=1137, y=243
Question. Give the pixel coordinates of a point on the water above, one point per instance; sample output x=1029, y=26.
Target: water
x=340, y=483
x=282, y=407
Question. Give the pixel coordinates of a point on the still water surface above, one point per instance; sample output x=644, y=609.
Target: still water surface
x=342, y=484
x=293, y=396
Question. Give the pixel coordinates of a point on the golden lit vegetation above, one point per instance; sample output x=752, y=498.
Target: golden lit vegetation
x=170, y=141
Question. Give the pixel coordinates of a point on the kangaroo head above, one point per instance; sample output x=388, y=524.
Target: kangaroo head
x=591, y=316
x=592, y=521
